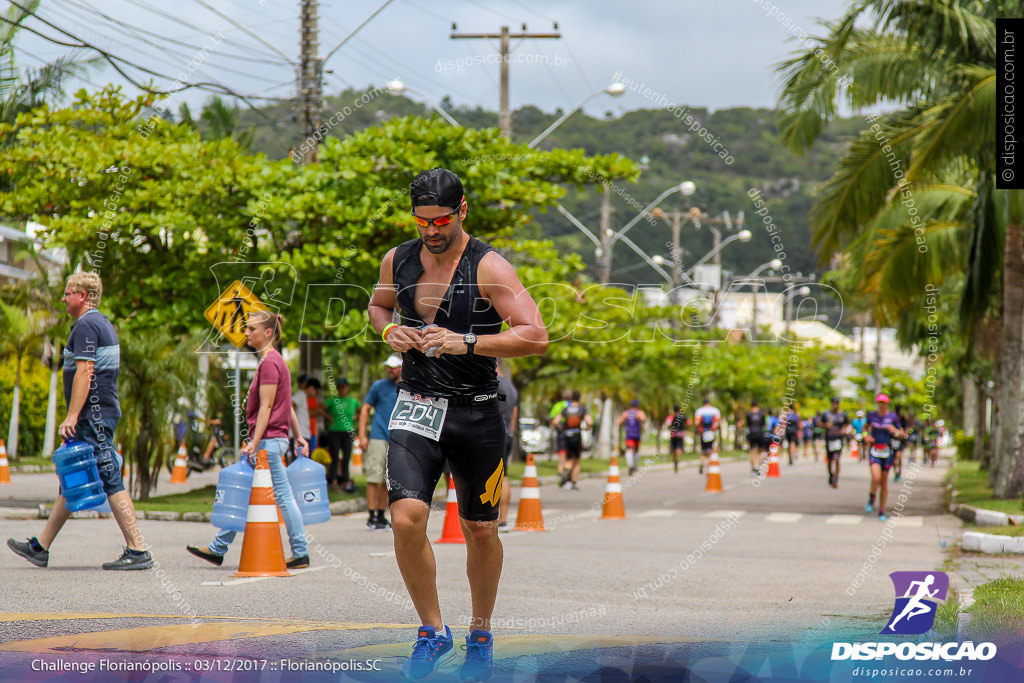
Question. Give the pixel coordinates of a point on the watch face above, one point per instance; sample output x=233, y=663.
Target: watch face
x=469, y=338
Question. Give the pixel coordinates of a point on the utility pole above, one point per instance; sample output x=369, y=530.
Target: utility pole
x=310, y=105
x=310, y=85
x=505, y=50
x=605, y=270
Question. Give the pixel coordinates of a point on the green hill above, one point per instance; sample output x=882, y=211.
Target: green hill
x=669, y=152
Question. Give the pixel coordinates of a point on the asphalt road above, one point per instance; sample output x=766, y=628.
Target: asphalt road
x=774, y=559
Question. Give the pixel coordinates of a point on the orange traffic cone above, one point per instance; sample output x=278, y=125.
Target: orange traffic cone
x=262, y=552
x=773, y=461
x=714, y=483
x=854, y=450
x=530, y=517
x=613, y=505
x=180, y=466
x=452, y=531
x=357, y=456
x=5, y=470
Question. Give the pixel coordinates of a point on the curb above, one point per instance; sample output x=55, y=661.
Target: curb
x=341, y=507
x=983, y=517
x=992, y=544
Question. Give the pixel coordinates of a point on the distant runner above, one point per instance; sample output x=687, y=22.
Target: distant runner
x=883, y=425
x=676, y=424
x=756, y=423
x=633, y=419
x=837, y=427
x=706, y=421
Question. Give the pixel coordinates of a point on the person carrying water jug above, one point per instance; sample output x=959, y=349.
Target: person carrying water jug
x=269, y=413
x=91, y=363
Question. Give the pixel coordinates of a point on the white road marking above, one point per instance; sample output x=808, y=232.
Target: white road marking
x=845, y=519
x=784, y=517
x=252, y=579
x=912, y=522
x=658, y=513
x=724, y=513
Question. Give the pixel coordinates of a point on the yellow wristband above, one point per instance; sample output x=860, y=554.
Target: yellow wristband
x=387, y=328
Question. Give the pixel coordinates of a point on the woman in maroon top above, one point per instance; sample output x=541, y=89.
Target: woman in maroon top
x=269, y=414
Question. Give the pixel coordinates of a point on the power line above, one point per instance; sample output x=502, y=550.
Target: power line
x=356, y=30
x=166, y=15
x=244, y=28
x=86, y=6
x=114, y=59
x=166, y=50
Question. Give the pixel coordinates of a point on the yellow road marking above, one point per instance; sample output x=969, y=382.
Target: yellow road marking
x=506, y=647
x=152, y=637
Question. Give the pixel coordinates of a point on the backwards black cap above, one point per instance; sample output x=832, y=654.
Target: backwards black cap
x=437, y=187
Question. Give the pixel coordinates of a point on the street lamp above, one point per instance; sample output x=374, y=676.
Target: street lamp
x=802, y=291
x=609, y=237
x=774, y=264
x=742, y=236
x=397, y=87
x=615, y=89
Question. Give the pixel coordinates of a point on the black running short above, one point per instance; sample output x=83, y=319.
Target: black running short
x=675, y=443
x=755, y=439
x=573, y=446
x=472, y=443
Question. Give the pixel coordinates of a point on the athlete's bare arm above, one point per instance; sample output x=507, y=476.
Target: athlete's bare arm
x=526, y=334
x=383, y=303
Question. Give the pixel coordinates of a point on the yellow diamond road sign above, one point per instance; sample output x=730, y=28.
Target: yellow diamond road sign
x=231, y=309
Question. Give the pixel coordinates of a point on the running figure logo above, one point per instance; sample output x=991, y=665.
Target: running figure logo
x=917, y=596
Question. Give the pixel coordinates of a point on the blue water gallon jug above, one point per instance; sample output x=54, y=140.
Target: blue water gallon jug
x=231, y=501
x=79, y=478
x=308, y=480
x=105, y=506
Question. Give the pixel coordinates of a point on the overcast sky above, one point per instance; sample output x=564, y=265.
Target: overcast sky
x=711, y=54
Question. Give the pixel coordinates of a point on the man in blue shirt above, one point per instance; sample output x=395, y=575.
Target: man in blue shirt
x=92, y=360
x=381, y=397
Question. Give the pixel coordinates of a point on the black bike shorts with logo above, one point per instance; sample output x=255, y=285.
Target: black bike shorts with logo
x=472, y=443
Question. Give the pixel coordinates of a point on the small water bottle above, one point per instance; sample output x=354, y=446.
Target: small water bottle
x=79, y=477
x=308, y=480
x=231, y=500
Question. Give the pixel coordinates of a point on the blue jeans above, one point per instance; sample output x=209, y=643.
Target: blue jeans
x=275, y=448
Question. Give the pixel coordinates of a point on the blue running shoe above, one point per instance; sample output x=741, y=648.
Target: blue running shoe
x=881, y=516
x=428, y=652
x=479, y=649
x=869, y=507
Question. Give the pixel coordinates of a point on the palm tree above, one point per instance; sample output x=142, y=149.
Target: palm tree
x=218, y=121
x=936, y=60
x=23, y=91
x=24, y=330
x=156, y=370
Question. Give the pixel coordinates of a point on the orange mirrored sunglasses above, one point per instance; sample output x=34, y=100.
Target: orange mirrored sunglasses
x=440, y=221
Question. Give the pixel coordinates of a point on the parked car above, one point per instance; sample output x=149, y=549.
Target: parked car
x=533, y=436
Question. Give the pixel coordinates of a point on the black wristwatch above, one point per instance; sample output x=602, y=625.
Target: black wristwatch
x=470, y=341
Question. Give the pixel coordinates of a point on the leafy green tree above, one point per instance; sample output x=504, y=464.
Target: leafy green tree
x=934, y=156
x=24, y=330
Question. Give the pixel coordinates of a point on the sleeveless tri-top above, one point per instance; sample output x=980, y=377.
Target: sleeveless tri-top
x=462, y=310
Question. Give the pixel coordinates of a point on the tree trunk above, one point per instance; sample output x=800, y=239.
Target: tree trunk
x=969, y=405
x=980, y=427
x=878, y=358
x=12, y=431
x=1009, y=480
x=51, y=410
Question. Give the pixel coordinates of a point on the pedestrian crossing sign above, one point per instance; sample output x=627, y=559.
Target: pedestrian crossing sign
x=231, y=309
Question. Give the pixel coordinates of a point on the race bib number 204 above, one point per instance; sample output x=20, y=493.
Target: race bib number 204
x=418, y=414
